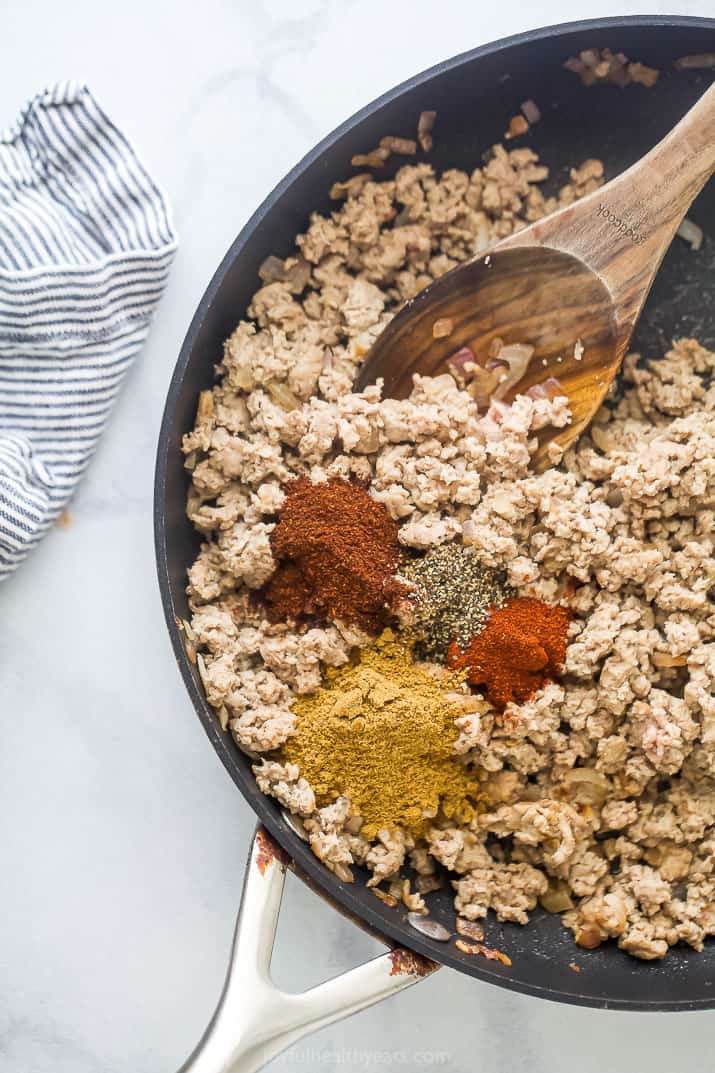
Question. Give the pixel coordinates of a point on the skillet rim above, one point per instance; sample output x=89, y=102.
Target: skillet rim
x=339, y=895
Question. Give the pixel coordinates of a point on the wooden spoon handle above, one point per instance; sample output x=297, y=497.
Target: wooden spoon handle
x=623, y=230
x=650, y=199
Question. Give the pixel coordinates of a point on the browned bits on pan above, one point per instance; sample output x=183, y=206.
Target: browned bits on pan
x=485, y=951
x=517, y=125
x=388, y=899
x=442, y=328
x=425, y=126
x=470, y=929
x=407, y=962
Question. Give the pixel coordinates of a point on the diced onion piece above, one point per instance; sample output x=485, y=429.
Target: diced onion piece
x=388, y=899
x=547, y=389
x=374, y=159
x=692, y=234
x=517, y=356
x=603, y=439
x=588, y=936
x=697, y=61
x=573, y=63
x=205, y=409
x=483, y=383
x=557, y=898
x=298, y=273
x=402, y=146
x=531, y=111
x=469, y=532
x=586, y=786
x=664, y=659
x=425, y=126
x=295, y=823
x=640, y=73
x=553, y=387
x=351, y=187
x=618, y=73
x=578, y=350
x=426, y=884
x=272, y=270
x=442, y=328
x=590, y=57
x=482, y=239
x=459, y=364
x=282, y=395
x=295, y=271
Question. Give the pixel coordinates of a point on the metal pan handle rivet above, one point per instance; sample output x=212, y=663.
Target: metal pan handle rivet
x=254, y=1021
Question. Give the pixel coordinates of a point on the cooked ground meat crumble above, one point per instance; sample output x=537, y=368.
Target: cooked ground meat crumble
x=599, y=792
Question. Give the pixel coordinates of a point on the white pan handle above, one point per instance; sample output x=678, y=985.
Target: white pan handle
x=254, y=1021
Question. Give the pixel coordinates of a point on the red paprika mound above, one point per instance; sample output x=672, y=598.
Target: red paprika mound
x=338, y=554
x=520, y=649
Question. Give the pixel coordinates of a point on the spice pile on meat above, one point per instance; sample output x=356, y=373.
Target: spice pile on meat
x=446, y=667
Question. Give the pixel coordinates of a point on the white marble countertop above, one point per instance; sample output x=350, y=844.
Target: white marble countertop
x=122, y=839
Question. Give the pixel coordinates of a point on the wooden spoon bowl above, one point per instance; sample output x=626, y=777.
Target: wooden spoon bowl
x=580, y=275
x=525, y=295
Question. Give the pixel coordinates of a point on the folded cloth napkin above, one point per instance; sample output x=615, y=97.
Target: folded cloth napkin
x=86, y=242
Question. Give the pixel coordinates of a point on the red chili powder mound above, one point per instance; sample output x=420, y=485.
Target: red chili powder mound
x=521, y=648
x=338, y=553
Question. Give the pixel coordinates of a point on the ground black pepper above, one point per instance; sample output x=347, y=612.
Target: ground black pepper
x=452, y=595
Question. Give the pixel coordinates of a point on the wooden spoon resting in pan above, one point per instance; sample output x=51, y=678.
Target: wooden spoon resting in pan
x=581, y=274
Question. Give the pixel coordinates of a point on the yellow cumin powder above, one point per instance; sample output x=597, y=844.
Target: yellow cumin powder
x=381, y=731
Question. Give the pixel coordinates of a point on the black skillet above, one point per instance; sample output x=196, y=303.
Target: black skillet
x=474, y=95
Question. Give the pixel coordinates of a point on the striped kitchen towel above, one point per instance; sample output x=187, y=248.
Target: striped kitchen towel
x=86, y=242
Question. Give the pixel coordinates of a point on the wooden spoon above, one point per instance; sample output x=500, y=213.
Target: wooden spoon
x=582, y=273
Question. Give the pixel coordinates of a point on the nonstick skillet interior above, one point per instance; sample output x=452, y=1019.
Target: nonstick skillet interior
x=475, y=95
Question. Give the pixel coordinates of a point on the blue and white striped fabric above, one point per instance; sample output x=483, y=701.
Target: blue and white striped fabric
x=86, y=242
